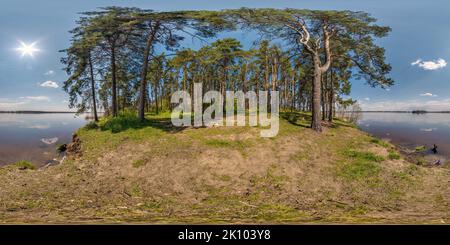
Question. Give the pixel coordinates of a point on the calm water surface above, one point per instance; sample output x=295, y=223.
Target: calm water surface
x=410, y=130
x=35, y=137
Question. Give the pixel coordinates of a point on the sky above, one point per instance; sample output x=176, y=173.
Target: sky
x=418, y=47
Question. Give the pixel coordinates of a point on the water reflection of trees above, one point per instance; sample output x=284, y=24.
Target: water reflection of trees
x=350, y=113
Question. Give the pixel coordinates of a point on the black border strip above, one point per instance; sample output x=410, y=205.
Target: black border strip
x=278, y=233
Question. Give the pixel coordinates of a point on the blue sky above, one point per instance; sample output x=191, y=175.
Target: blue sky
x=418, y=47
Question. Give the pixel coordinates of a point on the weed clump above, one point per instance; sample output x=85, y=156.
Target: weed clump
x=23, y=165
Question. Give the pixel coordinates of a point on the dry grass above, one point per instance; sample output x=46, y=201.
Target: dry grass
x=155, y=174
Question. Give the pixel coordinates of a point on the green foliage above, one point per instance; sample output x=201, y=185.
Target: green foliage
x=360, y=169
x=367, y=156
x=122, y=122
x=23, y=165
x=360, y=165
x=107, y=47
x=420, y=148
x=393, y=155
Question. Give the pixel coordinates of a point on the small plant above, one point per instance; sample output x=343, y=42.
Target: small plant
x=139, y=163
x=393, y=155
x=420, y=148
x=23, y=165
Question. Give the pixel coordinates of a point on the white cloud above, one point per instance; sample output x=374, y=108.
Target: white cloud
x=428, y=94
x=391, y=105
x=36, y=98
x=49, y=73
x=430, y=65
x=11, y=105
x=367, y=99
x=416, y=62
x=49, y=84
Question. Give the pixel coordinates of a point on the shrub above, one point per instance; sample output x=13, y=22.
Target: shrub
x=91, y=125
x=393, y=155
x=122, y=122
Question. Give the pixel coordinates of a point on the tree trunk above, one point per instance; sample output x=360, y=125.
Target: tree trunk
x=322, y=97
x=94, y=102
x=316, y=123
x=114, y=82
x=331, y=100
x=143, y=82
x=156, y=97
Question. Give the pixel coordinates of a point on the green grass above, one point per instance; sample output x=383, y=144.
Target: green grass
x=234, y=144
x=420, y=148
x=360, y=169
x=111, y=132
x=139, y=163
x=22, y=165
x=380, y=142
x=393, y=155
x=365, y=156
x=360, y=165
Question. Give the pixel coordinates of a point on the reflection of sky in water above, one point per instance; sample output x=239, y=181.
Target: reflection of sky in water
x=410, y=129
x=34, y=137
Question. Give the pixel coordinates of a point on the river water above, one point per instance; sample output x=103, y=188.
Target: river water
x=410, y=130
x=35, y=137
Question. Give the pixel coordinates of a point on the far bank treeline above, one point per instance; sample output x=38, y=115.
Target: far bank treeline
x=129, y=58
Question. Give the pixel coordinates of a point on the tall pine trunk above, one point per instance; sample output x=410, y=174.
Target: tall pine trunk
x=331, y=99
x=143, y=82
x=316, y=123
x=94, y=102
x=114, y=82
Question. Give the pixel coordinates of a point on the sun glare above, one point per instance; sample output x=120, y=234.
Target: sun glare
x=27, y=49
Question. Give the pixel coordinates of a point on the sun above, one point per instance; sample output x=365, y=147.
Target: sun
x=27, y=49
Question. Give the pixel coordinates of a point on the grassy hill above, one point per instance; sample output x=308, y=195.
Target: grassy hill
x=154, y=173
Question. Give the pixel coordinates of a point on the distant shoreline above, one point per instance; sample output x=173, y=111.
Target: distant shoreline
x=414, y=112
x=73, y=112
x=37, y=112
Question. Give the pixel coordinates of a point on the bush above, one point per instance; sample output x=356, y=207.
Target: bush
x=91, y=125
x=23, y=165
x=122, y=122
x=393, y=155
